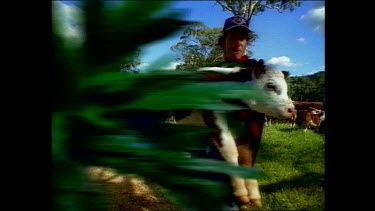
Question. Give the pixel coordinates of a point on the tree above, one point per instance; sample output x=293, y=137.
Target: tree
x=319, y=82
x=297, y=88
x=131, y=63
x=248, y=8
x=307, y=88
x=199, y=45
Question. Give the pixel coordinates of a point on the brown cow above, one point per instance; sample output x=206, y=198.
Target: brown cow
x=303, y=105
x=312, y=118
x=291, y=120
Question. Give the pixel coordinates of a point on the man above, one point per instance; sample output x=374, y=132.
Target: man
x=234, y=39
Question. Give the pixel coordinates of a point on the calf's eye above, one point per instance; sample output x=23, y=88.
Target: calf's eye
x=270, y=86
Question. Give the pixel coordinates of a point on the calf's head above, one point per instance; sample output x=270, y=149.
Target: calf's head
x=276, y=103
x=272, y=81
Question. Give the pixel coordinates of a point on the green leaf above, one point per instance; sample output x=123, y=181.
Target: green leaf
x=196, y=96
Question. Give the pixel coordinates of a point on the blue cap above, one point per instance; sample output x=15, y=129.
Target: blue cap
x=236, y=21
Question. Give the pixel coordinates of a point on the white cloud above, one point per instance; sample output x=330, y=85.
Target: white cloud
x=301, y=39
x=68, y=20
x=282, y=61
x=316, y=17
x=171, y=66
x=143, y=65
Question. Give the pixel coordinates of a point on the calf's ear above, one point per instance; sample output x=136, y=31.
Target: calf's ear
x=286, y=74
x=258, y=67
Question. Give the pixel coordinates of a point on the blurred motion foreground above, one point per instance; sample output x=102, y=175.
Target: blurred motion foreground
x=103, y=117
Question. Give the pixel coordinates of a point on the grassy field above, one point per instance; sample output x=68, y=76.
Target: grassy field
x=293, y=164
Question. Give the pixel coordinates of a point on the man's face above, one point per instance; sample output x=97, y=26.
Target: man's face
x=235, y=44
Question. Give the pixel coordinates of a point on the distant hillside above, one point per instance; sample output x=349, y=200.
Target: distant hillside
x=311, y=76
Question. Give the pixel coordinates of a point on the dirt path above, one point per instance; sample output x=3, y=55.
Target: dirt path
x=130, y=193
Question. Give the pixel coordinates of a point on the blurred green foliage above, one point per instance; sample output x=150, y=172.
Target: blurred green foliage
x=103, y=117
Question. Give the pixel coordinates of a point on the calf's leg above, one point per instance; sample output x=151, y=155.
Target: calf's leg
x=239, y=150
x=225, y=144
x=247, y=147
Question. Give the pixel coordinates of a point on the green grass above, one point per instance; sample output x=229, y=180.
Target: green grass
x=293, y=164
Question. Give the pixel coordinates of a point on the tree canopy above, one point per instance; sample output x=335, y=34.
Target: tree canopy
x=132, y=62
x=248, y=8
x=307, y=88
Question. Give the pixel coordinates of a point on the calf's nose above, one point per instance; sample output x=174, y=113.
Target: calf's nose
x=291, y=110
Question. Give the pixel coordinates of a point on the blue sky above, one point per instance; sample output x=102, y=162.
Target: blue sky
x=293, y=41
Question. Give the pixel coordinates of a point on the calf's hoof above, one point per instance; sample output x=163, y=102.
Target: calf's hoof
x=256, y=202
x=243, y=199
